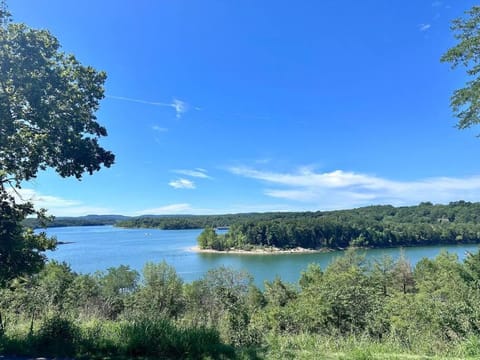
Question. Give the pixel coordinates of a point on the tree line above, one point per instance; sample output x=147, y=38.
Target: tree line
x=183, y=222
x=64, y=221
x=372, y=226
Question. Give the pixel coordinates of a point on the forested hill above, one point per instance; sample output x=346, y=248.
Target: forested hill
x=181, y=222
x=373, y=226
x=88, y=220
x=457, y=212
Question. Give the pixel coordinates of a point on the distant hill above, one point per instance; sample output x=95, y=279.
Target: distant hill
x=88, y=220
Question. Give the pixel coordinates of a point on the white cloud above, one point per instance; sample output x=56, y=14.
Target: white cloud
x=182, y=184
x=59, y=206
x=159, y=128
x=424, y=27
x=168, y=210
x=188, y=209
x=305, y=177
x=436, y=3
x=344, y=189
x=44, y=201
x=198, y=173
x=179, y=106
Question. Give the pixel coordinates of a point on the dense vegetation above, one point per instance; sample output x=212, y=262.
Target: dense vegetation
x=89, y=220
x=351, y=309
x=182, y=222
x=373, y=226
x=48, y=101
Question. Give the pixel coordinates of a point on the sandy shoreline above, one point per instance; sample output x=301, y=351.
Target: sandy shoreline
x=259, y=251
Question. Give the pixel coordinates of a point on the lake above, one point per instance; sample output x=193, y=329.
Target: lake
x=93, y=248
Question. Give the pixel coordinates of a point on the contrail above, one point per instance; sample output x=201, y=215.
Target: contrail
x=139, y=101
x=179, y=106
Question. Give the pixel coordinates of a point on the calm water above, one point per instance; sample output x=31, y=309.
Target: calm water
x=100, y=247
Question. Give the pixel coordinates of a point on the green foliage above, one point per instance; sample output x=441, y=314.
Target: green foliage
x=208, y=239
x=63, y=221
x=174, y=222
x=48, y=102
x=310, y=276
x=224, y=299
x=162, y=293
x=21, y=251
x=465, y=102
x=352, y=309
x=84, y=297
x=56, y=337
x=345, y=295
x=54, y=281
x=277, y=293
x=372, y=226
x=144, y=337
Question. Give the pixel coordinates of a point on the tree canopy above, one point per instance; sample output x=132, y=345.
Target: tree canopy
x=371, y=226
x=465, y=102
x=48, y=101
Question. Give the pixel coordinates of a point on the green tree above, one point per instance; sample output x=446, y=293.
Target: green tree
x=115, y=285
x=54, y=280
x=223, y=298
x=278, y=293
x=465, y=102
x=48, y=102
x=84, y=297
x=346, y=294
x=208, y=239
x=162, y=293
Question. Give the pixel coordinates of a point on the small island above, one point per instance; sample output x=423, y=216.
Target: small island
x=258, y=250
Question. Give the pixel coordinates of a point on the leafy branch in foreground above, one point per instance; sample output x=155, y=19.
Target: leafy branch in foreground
x=48, y=102
x=465, y=102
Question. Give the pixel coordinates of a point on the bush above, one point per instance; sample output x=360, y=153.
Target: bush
x=56, y=337
x=99, y=338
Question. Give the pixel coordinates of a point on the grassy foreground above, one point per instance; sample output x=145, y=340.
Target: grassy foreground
x=160, y=339
x=354, y=309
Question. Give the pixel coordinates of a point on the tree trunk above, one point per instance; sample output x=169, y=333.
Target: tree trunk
x=2, y=324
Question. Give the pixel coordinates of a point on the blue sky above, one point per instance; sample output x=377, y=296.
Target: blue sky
x=239, y=106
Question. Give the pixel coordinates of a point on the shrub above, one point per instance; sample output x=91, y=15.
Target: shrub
x=56, y=337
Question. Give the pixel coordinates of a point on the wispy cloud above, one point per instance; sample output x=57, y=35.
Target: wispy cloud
x=159, y=128
x=345, y=189
x=437, y=3
x=182, y=184
x=179, y=106
x=59, y=206
x=179, y=209
x=168, y=210
x=250, y=208
x=197, y=173
x=424, y=27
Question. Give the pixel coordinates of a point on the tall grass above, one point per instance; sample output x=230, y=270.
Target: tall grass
x=310, y=346
x=144, y=338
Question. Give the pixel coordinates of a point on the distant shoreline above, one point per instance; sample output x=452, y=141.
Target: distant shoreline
x=261, y=251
